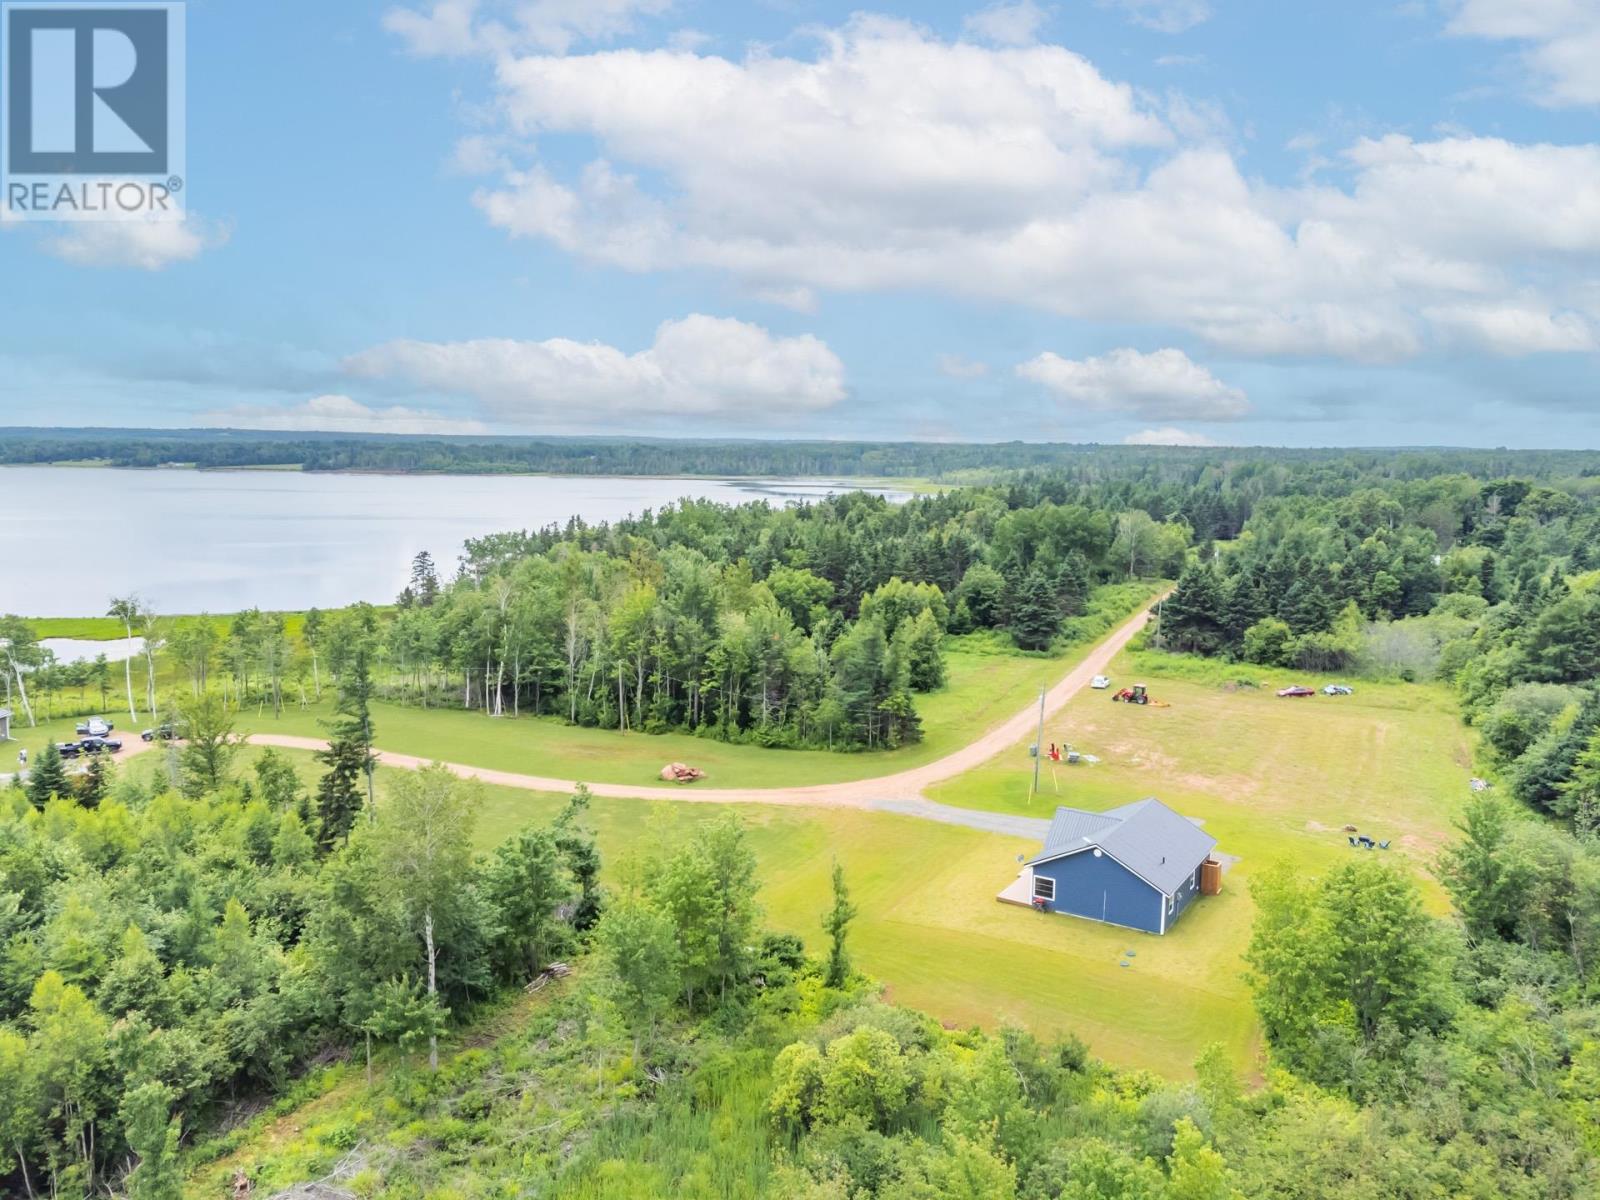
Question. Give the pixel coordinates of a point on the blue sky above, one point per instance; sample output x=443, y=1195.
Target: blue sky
x=1149, y=220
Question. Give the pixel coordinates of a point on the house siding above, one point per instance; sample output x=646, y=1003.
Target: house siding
x=1102, y=889
x=1184, y=896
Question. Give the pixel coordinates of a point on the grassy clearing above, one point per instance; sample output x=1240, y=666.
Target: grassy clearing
x=931, y=930
x=1272, y=780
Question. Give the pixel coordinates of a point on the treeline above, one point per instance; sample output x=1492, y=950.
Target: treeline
x=806, y=626
x=1492, y=586
x=223, y=449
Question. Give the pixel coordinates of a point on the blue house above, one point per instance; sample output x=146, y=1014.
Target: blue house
x=1139, y=865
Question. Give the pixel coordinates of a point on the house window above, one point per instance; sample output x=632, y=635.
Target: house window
x=1044, y=888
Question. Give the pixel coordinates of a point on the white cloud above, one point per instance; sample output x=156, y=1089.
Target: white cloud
x=338, y=414
x=1167, y=435
x=142, y=245
x=1163, y=16
x=698, y=366
x=1163, y=385
x=892, y=160
x=1006, y=24
x=459, y=28
x=1513, y=329
x=956, y=367
x=1560, y=39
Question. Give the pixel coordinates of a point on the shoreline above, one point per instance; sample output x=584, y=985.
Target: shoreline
x=911, y=484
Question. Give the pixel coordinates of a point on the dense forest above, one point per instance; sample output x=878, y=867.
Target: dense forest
x=223, y=449
x=815, y=625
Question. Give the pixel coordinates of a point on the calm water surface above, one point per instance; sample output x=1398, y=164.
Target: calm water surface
x=220, y=541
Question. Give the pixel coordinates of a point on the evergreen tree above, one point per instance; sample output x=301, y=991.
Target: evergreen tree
x=1192, y=617
x=48, y=777
x=96, y=781
x=1035, y=614
x=424, y=586
x=1244, y=603
x=836, y=923
x=348, y=757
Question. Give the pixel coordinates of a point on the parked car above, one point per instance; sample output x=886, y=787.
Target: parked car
x=94, y=745
x=1101, y=681
x=1338, y=689
x=1297, y=690
x=68, y=749
x=165, y=733
x=95, y=727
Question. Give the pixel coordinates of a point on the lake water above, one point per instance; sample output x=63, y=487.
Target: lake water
x=220, y=541
x=74, y=650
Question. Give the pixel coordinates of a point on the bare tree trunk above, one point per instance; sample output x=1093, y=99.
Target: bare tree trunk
x=127, y=671
x=150, y=673
x=433, y=983
x=22, y=691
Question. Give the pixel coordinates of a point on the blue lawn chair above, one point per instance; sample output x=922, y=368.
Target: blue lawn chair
x=1352, y=839
x=1383, y=845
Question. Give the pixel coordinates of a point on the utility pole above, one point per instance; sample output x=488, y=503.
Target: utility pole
x=1038, y=748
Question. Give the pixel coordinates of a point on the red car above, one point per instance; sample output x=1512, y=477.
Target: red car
x=1296, y=691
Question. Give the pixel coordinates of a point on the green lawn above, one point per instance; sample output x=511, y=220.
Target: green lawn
x=1273, y=780
x=931, y=930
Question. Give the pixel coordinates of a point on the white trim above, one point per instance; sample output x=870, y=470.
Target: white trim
x=1037, y=880
x=1166, y=903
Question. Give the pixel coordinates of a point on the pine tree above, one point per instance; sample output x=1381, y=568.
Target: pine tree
x=1192, y=617
x=1035, y=615
x=349, y=754
x=96, y=781
x=424, y=587
x=1244, y=603
x=836, y=922
x=48, y=777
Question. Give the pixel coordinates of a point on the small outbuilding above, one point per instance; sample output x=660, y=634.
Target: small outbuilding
x=5, y=724
x=1139, y=866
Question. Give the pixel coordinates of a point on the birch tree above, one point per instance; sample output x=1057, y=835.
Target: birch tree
x=128, y=611
x=424, y=848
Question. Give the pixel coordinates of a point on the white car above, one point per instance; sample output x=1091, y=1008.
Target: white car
x=1101, y=681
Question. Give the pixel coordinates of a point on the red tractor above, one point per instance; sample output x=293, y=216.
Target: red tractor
x=1137, y=694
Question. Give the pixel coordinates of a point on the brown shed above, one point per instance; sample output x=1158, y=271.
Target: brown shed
x=1210, y=877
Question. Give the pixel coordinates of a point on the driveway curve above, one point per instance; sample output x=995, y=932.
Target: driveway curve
x=901, y=792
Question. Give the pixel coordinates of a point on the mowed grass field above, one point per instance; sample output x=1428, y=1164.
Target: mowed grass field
x=929, y=927
x=1273, y=780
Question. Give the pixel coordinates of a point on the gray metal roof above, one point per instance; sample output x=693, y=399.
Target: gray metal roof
x=1160, y=846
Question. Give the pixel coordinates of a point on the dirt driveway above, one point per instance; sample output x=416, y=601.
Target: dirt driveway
x=901, y=792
